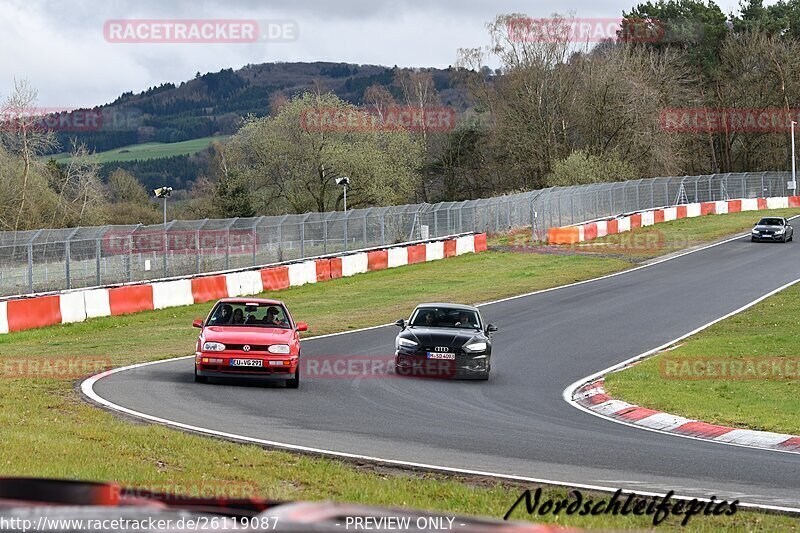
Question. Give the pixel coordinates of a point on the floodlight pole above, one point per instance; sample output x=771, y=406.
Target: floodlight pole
x=345, y=198
x=165, y=211
x=794, y=166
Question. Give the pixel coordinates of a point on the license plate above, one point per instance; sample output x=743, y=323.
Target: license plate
x=247, y=362
x=440, y=355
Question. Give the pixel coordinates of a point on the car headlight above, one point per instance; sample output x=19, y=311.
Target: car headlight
x=475, y=347
x=279, y=348
x=213, y=347
x=754, y=231
x=780, y=231
x=402, y=341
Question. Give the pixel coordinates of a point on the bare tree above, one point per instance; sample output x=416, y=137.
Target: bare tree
x=22, y=134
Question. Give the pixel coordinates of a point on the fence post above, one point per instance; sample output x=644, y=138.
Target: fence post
x=303, y=237
x=30, y=266
x=280, y=238
x=345, y=231
x=129, y=259
x=366, y=245
x=325, y=235
x=166, y=245
x=97, y=261
x=383, y=229
x=228, y=245
x=571, y=207
x=198, y=248
x=130, y=252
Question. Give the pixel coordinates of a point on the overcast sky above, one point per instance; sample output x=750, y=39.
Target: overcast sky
x=60, y=46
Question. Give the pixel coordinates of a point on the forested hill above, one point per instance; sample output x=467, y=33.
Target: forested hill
x=214, y=103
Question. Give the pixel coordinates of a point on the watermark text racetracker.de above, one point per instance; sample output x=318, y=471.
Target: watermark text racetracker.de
x=397, y=118
x=207, y=31
x=628, y=242
x=33, y=520
x=67, y=367
x=583, y=30
x=722, y=120
x=658, y=508
x=117, y=242
x=371, y=367
x=70, y=119
x=730, y=368
x=219, y=490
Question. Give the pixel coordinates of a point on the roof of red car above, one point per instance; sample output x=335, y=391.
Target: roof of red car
x=242, y=300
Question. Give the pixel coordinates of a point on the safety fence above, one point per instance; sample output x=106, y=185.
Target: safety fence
x=79, y=305
x=611, y=226
x=60, y=259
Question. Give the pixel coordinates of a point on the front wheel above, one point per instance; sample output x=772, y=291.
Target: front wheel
x=294, y=383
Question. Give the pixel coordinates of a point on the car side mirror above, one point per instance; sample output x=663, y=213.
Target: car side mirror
x=401, y=323
x=302, y=326
x=198, y=323
x=491, y=328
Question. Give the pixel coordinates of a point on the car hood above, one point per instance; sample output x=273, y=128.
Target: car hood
x=762, y=227
x=451, y=337
x=247, y=334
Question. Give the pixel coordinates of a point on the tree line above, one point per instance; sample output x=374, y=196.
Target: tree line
x=557, y=111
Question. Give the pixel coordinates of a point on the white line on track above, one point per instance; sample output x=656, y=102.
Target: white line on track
x=87, y=387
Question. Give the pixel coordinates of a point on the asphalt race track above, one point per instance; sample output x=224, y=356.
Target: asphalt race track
x=516, y=423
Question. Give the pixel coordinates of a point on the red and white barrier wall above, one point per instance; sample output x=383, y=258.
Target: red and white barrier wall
x=593, y=230
x=76, y=306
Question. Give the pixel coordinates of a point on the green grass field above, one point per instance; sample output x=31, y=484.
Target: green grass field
x=147, y=151
x=56, y=434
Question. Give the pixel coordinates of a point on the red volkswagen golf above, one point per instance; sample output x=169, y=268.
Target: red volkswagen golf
x=250, y=338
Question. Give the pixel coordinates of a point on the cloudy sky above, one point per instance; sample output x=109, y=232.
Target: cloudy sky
x=61, y=48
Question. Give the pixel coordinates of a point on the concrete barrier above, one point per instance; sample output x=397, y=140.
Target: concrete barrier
x=97, y=303
x=72, y=307
x=172, y=293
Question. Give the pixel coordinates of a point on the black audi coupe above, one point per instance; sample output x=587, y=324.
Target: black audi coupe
x=444, y=340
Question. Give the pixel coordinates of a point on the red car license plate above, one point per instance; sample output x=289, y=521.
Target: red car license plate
x=247, y=362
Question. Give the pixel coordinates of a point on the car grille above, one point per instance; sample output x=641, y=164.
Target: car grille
x=253, y=347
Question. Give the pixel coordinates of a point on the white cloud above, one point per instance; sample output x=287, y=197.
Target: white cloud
x=61, y=49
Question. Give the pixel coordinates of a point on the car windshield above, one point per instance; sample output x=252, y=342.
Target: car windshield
x=445, y=317
x=249, y=314
x=770, y=222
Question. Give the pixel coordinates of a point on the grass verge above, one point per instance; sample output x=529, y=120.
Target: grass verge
x=765, y=397
x=53, y=433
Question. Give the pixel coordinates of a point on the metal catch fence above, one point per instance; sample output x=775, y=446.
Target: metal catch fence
x=57, y=259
